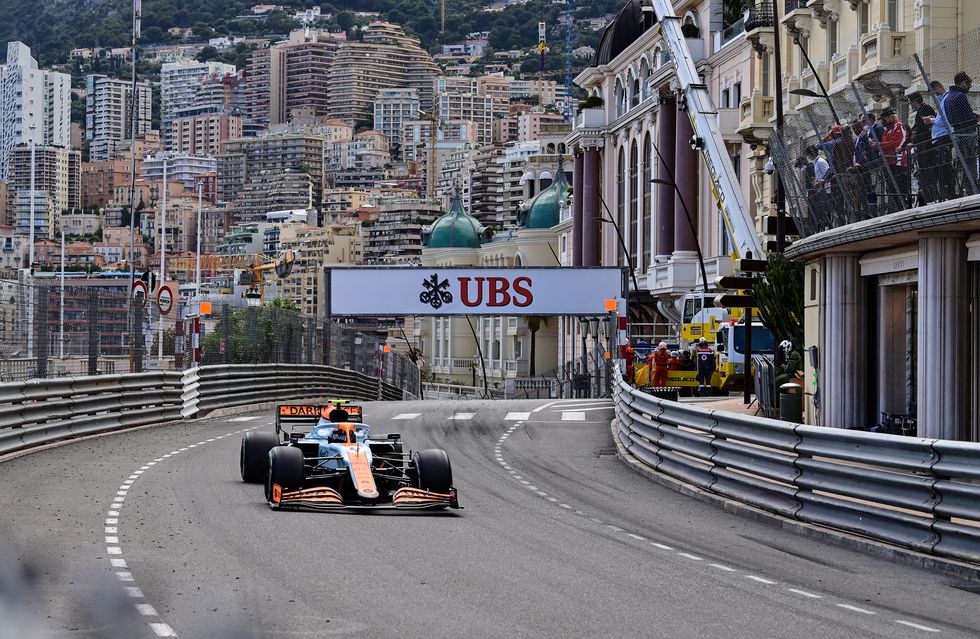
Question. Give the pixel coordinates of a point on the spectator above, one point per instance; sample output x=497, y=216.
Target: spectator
x=867, y=158
x=893, y=141
x=919, y=144
x=962, y=121
x=941, y=154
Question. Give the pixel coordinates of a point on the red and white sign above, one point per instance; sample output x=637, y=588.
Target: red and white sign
x=165, y=299
x=472, y=291
x=140, y=293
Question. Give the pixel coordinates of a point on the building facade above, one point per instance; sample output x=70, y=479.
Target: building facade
x=109, y=114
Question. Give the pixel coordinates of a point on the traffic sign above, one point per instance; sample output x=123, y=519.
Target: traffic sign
x=735, y=282
x=729, y=300
x=165, y=299
x=752, y=266
x=140, y=292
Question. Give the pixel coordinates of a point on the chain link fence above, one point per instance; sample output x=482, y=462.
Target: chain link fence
x=47, y=330
x=839, y=161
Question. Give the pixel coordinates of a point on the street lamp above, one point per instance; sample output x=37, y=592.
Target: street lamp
x=809, y=92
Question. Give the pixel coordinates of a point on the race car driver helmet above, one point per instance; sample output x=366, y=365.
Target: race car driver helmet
x=338, y=435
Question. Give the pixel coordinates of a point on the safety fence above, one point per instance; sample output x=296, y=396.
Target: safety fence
x=82, y=328
x=922, y=494
x=842, y=158
x=47, y=410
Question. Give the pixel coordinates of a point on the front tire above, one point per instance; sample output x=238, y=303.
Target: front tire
x=433, y=470
x=254, y=459
x=285, y=469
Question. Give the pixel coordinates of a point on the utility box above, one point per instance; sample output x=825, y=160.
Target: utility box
x=791, y=403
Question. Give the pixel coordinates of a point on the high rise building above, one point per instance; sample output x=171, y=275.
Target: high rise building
x=179, y=85
x=35, y=105
x=396, y=235
x=384, y=58
x=288, y=75
x=476, y=108
x=57, y=175
x=204, y=134
x=109, y=114
x=392, y=107
x=182, y=168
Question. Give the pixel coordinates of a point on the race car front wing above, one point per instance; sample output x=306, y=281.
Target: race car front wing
x=325, y=498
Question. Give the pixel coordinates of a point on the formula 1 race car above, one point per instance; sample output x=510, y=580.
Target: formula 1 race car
x=321, y=458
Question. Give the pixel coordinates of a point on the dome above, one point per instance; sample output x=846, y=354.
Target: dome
x=455, y=229
x=628, y=25
x=544, y=209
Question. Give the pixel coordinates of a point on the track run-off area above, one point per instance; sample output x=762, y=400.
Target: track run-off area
x=151, y=532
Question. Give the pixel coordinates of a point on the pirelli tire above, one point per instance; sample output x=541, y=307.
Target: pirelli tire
x=285, y=469
x=254, y=460
x=432, y=470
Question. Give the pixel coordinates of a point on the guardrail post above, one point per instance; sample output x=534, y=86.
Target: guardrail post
x=41, y=329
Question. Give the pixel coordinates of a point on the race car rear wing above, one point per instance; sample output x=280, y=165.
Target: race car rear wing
x=303, y=417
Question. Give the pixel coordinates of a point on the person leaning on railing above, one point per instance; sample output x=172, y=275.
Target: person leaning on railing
x=919, y=142
x=963, y=121
x=893, y=141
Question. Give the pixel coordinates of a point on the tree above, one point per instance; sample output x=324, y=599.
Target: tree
x=208, y=53
x=779, y=294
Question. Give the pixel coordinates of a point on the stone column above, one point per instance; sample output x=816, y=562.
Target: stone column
x=686, y=176
x=891, y=348
x=666, y=136
x=577, y=199
x=974, y=322
x=843, y=365
x=944, y=337
x=591, y=208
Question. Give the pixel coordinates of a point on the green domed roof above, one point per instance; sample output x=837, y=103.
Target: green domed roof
x=455, y=229
x=543, y=210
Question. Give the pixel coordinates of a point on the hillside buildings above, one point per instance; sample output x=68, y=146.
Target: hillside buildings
x=109, y=114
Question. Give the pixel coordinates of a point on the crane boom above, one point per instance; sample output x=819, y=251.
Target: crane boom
x=704, y=121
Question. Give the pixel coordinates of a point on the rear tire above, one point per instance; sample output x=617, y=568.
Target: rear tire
x=254, y=460
x=433, y=470
x=286, y=469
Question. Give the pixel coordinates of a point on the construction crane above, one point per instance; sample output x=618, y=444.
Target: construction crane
x=256, y=264
x=569, y=42
x=542, y=49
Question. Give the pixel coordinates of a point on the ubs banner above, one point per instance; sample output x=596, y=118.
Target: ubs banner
x=471, y=291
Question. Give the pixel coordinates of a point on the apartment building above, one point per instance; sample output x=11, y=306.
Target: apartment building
x=204, y=135
x=35, y=105
x=179, y=86
x=186, y=169
x=109, y=114
x=395, y=237
x=315, y=248
x=57, y=174
x=99, y=179
x=392, y=108
x=476, y=108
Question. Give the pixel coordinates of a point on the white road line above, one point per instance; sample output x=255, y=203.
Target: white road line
x=542, y=407
x=583, y=402
x=863, y=611
x=690, y=556
x=244, y=419
x=462, y=416
x=146, y=610
x=111, y=539
x=114, y=550
x=124, y=576
x=661, y=546
x=637, y=537
x=723, y=567
x=406, y=416
x=761, y=580
x=614, y=528
x=513, y=417
x=572, y=416
x=117, y=563
x=134, y=592
x=804, y=593
x=917, y=626
x=110, y=530
x=163, y=630
x=607, y=407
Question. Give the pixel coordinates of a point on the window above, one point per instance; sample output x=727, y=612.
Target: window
x=831, y=38
x=634, y=213
x=893, y=15
x=620, y=200
x=726, y=99
x=813, y=285
x=647, y=187
x=864, y=19
x=765, y=74
x=736, y=93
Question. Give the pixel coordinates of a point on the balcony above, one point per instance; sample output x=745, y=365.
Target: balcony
x=824, y=10
x=797, y=17
x=756, y=112
x=880, y=58
x=759, y=27
x=590, y=119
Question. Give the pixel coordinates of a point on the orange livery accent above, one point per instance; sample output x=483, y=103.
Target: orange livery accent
x=360, y=471
x=276, y=493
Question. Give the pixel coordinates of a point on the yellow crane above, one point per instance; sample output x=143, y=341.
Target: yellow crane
x=255, y=263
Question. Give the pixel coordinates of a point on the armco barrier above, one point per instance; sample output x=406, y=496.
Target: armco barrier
x=46, y=410
x=922, y=494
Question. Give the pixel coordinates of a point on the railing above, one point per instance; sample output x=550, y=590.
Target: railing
x=47, y=410
x=922, y=494
x=759, y=17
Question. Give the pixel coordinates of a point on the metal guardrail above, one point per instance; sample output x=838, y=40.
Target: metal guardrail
x=922, y=494
x=46, y=410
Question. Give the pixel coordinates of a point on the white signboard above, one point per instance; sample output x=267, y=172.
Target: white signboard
x=471, y=291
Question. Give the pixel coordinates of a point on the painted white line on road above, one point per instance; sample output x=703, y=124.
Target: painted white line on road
x=614, y=528
x=146, y=610
x=512, y=417
x=761, y=580
x=805, y=593
x=406, y=415
x=115, y=562
x=637, y=537
x=134, y=592
x=542, y=407
x=244, y=419
x=124, y=576
x=163, y=630
x=917, y=626
x=661, y=546
x=573, y=416
x=462, y=416
x=723, y=567
x=114, y=550
x=582, y=402
x=688, y=555
x=111, y=540
x=110, y=530
x=582, y=410
x=112, y=519
x=863, y=611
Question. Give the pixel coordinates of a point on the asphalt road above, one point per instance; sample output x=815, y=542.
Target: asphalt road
x=557, y=539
